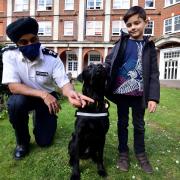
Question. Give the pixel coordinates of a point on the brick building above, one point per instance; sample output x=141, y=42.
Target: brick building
x=84, y=31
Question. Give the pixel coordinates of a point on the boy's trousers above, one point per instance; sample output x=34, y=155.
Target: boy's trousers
x=45, y=124
x=123, y=105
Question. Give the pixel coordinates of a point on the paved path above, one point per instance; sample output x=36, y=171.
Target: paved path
x=170, y=83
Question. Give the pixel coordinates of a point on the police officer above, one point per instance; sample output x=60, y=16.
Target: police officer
x=31, y=71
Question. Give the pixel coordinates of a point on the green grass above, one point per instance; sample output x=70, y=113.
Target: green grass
x=162, y=144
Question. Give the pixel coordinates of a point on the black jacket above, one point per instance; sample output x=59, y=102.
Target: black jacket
x=114, y=60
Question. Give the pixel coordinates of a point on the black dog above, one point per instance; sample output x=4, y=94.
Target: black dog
x=92, y=122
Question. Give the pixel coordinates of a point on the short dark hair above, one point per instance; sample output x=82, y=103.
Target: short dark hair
x=133, y=11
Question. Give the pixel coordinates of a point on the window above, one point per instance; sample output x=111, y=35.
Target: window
x=168, y=25
x=149, y=4
x=69, y=5
x=72, y=61
x=149, y=30
x=171, y=2
x=135, y=3
x=94, y=28
x=45, y=28
x=44, y=5
x=172, y=25
x=177, y=23
x=1, y=28
x=94, y=4
x=68, y=28
x=123, y=4
x=117, y=26
x=171, y=64
x=21, y=5
x=94, y=57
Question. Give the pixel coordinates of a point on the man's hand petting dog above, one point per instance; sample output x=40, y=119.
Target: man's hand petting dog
x=78, y=99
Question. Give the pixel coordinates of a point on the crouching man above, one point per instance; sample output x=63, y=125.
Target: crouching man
x=30, y=72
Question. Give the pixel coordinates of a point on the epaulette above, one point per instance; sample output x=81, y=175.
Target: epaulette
x=8, y=48
x=49, y=52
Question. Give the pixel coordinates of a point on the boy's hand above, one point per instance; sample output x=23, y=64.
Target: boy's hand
x=152, y=106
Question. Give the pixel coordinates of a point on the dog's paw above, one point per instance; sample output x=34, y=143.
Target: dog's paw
x=75, y=177
x=102, y=172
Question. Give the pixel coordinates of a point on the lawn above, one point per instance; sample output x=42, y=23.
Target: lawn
x=162, y=144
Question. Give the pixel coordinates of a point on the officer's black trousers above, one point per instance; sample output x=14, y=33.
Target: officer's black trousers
x=45, y=124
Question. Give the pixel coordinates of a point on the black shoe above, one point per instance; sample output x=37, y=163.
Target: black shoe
x=20, y=151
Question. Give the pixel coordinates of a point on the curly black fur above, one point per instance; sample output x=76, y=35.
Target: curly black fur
x=88, y=139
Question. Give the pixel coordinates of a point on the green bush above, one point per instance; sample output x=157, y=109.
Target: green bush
x=3, y=88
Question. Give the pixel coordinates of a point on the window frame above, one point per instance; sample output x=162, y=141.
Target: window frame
x=94, y=53
x=66, y=3
x=146, y=7
x=94, y=28
x=121, y=26
x=72, y=28
x=44, y=23
x=45, y=6
x=95, y=3
x=150, y=21
x=21, y=4
x=121, y=4
x=74, y=62
x=170, y=4
x=172, y=25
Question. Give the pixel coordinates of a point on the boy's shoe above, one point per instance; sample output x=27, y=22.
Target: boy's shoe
x=144, y=163
x=123, y=162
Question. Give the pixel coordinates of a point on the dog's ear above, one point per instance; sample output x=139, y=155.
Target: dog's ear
x=80, y=77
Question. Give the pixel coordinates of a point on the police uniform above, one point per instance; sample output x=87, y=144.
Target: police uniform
x=40, y=74
x=43, y=73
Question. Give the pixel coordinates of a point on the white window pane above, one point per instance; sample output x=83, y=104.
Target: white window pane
x=68, y=28
x=117, y=26
x=118, y=4
x=94, y=4
x=21, y=5
x=44, y=5
x=177, y=23
x=93, y=28
x=45, y=28
x=135, y=3
x=90, y=28
x=69, y=4
x=98, y=27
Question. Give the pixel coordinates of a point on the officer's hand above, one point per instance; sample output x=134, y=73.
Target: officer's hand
x=52, y=103
x=78, y=100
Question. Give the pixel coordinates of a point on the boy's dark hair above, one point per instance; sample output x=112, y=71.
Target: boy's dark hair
x=133, y=11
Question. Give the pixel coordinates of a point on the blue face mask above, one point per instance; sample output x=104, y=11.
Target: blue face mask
x=30, y=51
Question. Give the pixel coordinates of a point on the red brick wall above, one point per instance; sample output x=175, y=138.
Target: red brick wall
x=157, y=15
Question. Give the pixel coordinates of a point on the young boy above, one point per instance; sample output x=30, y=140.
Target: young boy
x=133, y=82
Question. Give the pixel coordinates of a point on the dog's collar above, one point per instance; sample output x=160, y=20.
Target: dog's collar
x=91, y=114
